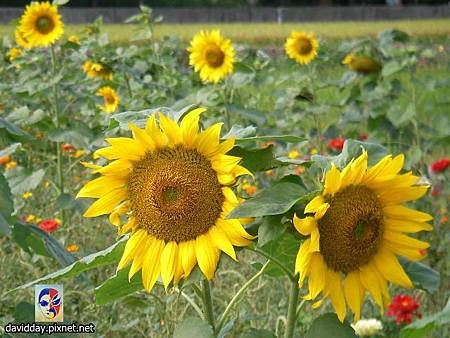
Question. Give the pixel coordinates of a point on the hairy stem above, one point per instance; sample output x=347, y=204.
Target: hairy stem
x=292, y=311
x=207, y=303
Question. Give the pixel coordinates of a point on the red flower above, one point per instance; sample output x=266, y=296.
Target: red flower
x=403, y=307
x=68, y=148
x=49, y=225
x=336, y=144
x=363, y=136
x=440, y=165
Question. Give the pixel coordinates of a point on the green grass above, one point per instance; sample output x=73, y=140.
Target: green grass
x=264, y=32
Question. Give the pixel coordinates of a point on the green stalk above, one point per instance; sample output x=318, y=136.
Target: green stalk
x=59, y=159
x=207, y=303
x=238, y=295
x=292, y=311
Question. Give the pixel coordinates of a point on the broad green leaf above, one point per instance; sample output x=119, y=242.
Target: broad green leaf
x=6, y=200
x=252, y=115
x=238, y=132
x=117, y=287
x=271, y=229
x=21, y=180
x=274, y=200
x=80, y=138
x=10, y=149
x=10, y=128
x=104, y=257
x=421, y=275
x=256, y=159
x=193, y=327
x=328, y=325
x=4, y=226
x=28, y=241
x=422, y=327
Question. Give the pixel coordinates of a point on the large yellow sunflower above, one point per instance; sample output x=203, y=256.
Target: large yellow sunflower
x=361, y=63
x=110, y=98
x=211, y=55
x=20, y=39
x=357, y=228
x=302, y=47
x=173, y=183
x=40, y=24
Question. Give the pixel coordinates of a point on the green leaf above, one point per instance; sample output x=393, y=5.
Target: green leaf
x=421, y=275
x=79, y=137
x=21, y=180
x=4, y=226
x=328, y=325
x=10, y=149
x=10, y=128
x=29, y=242
x=252, y=115
x=256, y=159
x=274, y=200
x=193, y=327
x=238, y=132
x=60, y=2
x=281, y=138
x=422, y=327
x=6, y=200
x=271, y=229
x=104, y=257
x=117, y=287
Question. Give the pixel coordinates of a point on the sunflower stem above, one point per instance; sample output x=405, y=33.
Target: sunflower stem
x=239, y=294
x=59, y=159
x=292, y=311
x=207, y=303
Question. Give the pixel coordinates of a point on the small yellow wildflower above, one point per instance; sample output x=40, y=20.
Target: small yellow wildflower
x=30, y=218
x=10, y=165
x=74, y=39
x=73, y=248
x=27, y=195
x=293, y=154
x=13, y=53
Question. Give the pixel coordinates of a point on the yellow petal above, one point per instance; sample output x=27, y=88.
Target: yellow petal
x=119, y=167
x=151, y=267
x=139, y=257
x=305, y=225
x=354, y=293
x=235, y=231
x=317, y=271
x=332, y=181
x=315, y=237
x=336, y=294
x=159, y=138
x=411, y=254
x=401, y=195
x=127, y=147
x=223, y=164
x=220, y=239
x=370, y=281
x=207, y=256
x=375, y=171
x=405, y=225
x=188, y=257
x=359, y=167
x=314, y=204
x=178, y=271
x=402, y=212
x=133, y=244
x=106, y=203
x=171, y=129
x=389, y=267
x=208, y=140
x=142, y=137
x=168, y=256
x=303, y=260
x=108, y=152
x=400, y=239
x=321, y=211
x=101, y=186
x=189, y=127
x=394, y=166
x=229, y=195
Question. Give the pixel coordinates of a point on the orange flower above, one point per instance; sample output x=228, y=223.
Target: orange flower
x=5, y=159
x=73, y=248
x=49, y=225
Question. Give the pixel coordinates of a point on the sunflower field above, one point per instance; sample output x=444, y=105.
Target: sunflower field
x=206, y=187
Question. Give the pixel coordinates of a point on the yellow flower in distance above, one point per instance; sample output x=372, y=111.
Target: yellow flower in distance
x=361, y=63
x=74, y=39
x=40, y=24
x=173, y=183
x=27, y=195
x=110, y=98
x=211, y=55
x=10, y=165
x=72, y=248
x=356, y=228
x=93, y=70
x=14, y=53
x=302, y=47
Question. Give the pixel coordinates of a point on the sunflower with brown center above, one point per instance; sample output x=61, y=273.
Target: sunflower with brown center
x=302, y=47
x=211, y=55
x=173, y=184
x=356, y=228
x=40, y=25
